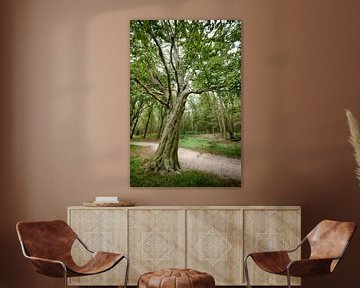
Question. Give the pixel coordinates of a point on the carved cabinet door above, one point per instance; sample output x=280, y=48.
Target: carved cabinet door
x=214, y=244
x=270, y=230
x=101, y=230
x=156, y=240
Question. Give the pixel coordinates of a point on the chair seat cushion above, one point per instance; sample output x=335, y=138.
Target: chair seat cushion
x=272, y=262
x=99, y=262
x=176, y=278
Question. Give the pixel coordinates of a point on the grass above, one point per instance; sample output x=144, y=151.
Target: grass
x=138, y=177
x=211, y=145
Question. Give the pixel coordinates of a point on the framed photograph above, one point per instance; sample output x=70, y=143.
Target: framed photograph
x=185, y=103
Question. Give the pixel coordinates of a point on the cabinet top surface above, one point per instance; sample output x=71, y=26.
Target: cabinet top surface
x=192, y=207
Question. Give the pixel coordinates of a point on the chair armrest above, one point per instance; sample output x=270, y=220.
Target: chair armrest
x=271, y=261
x=270, y=252
x=83, y=244
x=298, y=246
x=280, y=251
x=48, y=267
x=45, y=260
x=309, y=267
x=38, y=259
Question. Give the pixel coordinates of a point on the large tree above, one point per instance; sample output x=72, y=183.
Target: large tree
x=172, y=59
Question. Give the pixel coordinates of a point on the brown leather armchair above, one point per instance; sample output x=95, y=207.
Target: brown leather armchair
x=48, y=245
x=328, y=242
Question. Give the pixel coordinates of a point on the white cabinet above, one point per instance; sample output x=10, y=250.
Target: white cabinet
x=211, y=239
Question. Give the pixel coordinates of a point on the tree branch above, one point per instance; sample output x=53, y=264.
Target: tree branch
x=213, y=89
x=152, y=94
x=172, y=63
x=161, y=54
x=157, y=81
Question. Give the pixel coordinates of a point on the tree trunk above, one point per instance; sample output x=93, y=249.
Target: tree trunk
x=133, y=128
x=221, y=128
x=165, y=158
x=135, y=116
x=221, y=118
x=226, y=131
x=162, y=120
x=148, y=121
x=192, y=119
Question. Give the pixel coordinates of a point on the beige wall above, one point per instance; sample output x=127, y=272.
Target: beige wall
x=64, y=112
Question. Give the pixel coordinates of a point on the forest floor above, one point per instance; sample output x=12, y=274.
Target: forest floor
x=224, y=167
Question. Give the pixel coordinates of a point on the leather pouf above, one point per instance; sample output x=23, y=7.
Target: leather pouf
x=176, y=278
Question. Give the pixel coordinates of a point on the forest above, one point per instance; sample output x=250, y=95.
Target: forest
x=185, y=97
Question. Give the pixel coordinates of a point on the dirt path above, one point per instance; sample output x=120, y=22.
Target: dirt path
x=222, y=166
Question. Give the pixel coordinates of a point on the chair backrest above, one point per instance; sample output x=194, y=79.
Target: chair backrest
x=46, y=239
x=329, y=239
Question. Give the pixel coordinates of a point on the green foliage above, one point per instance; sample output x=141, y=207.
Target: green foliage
x=139, y=178
x=208, y=52
x=210, y=145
